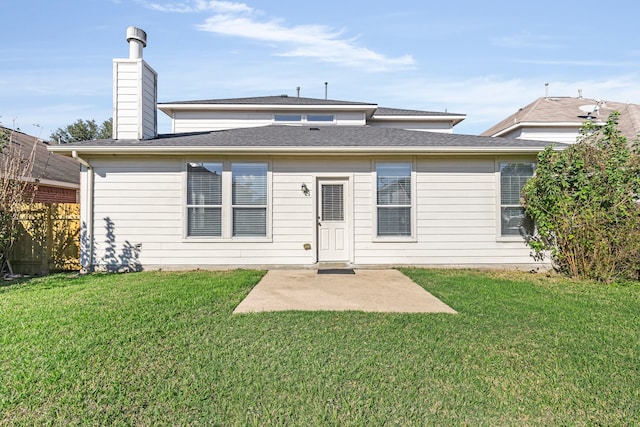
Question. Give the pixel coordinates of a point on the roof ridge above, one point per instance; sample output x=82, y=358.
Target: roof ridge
x=530, y=108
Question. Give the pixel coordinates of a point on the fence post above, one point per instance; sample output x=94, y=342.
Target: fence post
x=48, y=245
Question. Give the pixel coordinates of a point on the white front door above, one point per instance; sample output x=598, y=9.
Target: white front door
x=333, y=230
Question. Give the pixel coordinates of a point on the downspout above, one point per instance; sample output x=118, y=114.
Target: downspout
x=89, y=233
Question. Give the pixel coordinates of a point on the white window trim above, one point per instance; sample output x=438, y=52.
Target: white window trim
x=374, y=202
x=188, y=206
x=227, y=199
x=498, y=210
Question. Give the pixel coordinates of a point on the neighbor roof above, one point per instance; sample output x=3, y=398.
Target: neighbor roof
x=565, y=111
x=279, y=139
x=48, y=168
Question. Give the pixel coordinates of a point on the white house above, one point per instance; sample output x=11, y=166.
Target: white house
x=289, y=181
x=559, y=119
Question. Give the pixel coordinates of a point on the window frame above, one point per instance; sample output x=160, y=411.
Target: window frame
x=227, y=201
x=196, y=206
x=499, y=205
x=246, y=206
x=412, y=236
x=304, y=118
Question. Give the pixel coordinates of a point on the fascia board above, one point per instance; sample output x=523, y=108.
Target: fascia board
x=521, y=125
x=454, y=119
x=282, y=150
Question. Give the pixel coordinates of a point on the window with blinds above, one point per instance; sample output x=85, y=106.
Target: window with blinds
x=332, y=202
x=393, y=183
x=204, y=199
x=249, y=194
x=513, y=219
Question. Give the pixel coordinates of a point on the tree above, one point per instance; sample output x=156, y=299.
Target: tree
x=83, y=130
x=16, y=190
x=585, y=203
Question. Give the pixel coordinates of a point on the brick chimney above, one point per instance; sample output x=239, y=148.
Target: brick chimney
x=135, y=92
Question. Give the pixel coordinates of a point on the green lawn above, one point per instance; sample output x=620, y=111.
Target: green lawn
x=164, y=349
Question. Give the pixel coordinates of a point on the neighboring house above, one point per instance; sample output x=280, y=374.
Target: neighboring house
x=559, y=119
x=288, y=181
x=49, y=226
x=57, y=176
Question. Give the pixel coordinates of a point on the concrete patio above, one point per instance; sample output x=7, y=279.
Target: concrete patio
x=367, y=290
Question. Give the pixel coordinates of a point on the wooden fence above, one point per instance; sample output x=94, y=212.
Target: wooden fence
x=49, y=239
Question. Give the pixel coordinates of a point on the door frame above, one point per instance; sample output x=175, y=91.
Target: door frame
x=348, y=212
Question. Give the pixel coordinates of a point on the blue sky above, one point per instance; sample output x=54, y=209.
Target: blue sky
x=484, y=59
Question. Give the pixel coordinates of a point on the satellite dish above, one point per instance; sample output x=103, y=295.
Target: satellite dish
x=588, y=108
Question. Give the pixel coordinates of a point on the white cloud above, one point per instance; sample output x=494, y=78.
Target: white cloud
x=577, y=63
x=486, y=100
x=526, y=39
x=311, y=41
x=320, y=42
x=200, y=6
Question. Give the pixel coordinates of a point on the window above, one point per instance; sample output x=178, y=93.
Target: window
x=249, y=199
x=393, y=184
x=320, y=117
x=287, y=117
x=204, y=199
x=332, y=202
x=227, y=199
x=513, y=220
x=304, y=118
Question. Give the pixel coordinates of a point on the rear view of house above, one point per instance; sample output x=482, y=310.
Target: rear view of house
x=289, y=181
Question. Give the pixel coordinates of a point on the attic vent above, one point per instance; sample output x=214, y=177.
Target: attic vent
x=314, y=128
x=284, y=95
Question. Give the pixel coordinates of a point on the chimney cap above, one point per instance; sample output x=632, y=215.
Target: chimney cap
x=138, y=34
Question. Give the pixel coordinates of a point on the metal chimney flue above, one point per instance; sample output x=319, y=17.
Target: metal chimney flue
x=137, y=39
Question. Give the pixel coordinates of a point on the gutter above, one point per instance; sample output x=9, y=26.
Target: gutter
x=313, y=151
x=88, y=266
x=552, y=125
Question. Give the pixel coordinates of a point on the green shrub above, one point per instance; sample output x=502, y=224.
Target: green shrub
x=584, y=200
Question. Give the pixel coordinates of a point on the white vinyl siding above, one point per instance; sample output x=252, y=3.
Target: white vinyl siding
x=134, y=99
x=249, y=199
x=196, y=121
x=142, y=202
x=393, y=193
x=513, y=176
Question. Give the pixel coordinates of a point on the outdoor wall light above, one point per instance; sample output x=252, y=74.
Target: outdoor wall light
x=305, y=189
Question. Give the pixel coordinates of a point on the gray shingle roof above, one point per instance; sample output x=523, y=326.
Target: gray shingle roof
x=47, y=165
x=271, y=100
x=318, y=137
x=567, y=110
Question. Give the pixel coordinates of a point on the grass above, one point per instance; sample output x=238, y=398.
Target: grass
x=164, y=349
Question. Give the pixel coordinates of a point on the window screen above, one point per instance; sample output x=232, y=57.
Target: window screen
x=393, y=182
x=513, y=220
